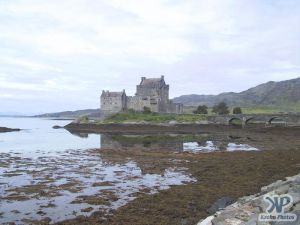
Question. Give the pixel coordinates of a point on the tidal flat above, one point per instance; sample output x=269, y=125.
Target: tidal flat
x=74, y=183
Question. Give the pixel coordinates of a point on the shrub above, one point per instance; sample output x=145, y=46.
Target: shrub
x=146, y=110
x=82, y=119
x=237, y=110
x=221, y=109
x=202, y=109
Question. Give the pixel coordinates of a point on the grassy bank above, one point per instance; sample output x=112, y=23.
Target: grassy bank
x=271, y=109
x=252, y=110
x=154, y=118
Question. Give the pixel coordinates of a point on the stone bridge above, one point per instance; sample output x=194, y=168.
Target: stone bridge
x=267, y=119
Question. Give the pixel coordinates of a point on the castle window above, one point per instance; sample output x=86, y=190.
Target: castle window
x=153, y=101
x=145, y=99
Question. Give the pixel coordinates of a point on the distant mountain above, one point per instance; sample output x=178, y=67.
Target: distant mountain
x=73, y=114
x=13, y=114
x=283, y=94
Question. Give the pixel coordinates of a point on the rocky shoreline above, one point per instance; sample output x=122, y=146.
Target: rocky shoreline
x=5, y=129
x=151, y=128
x=137, y=128
x=246, y=210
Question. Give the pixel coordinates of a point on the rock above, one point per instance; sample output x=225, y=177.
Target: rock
x=253, y=220
x=202, y=122
x=87, y=209
x=272, y=186
x=227, y=221
x=234, y=137
x=42, y=193
x=296, y=207
x=5, y=129
x=297, y=222
x=260, y=204
x=172, y=122
x=47, y=220
x=295, y=193
x=57, y=127
x=80, y=120
x=282, y=190
x=220, y=204
x=246, y=210
x=206, y=221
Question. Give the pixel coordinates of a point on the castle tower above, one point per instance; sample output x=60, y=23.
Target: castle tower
x=152, y=93
x=113, y=102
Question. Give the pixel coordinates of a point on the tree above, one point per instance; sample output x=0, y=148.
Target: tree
x=237, y=110
x=221, y=109
x=201, y=109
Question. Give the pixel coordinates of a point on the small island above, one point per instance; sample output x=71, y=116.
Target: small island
x=5, y=129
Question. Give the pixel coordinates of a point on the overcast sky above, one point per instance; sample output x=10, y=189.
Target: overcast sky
x=60, y=54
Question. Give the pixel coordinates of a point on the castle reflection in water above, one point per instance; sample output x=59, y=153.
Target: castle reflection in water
x=140, y=142
x=174, y=142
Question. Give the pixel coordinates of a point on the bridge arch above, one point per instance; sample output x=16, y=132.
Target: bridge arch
x=275, y=118
x=249, y=119
x=235, y=121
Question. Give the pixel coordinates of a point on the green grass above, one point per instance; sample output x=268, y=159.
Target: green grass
x=271, y=109
x=255, y=110
x=154, y=118
x=261, y=110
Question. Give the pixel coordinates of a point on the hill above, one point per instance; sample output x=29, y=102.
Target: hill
x=268, y=97
x=283, y=95
x=73, y=114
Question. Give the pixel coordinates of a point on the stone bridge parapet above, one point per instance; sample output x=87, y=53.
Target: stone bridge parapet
x=244, y=119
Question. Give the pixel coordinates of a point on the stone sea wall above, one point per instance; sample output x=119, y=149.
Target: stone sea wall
x=246, y=210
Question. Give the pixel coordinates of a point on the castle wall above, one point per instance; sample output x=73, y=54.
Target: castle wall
x=113, y=103
x=146, y=91
x=152, y=93
x=175, y=108
x=160, y=92
x=138, y=103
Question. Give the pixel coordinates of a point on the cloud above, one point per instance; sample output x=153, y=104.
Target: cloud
x=6, y=95
x=79, y=47
x=25, y=64
x=84, y=31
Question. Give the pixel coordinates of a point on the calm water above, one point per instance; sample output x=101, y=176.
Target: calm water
x=38, y=137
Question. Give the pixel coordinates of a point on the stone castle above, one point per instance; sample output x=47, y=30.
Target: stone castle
x=152, y=93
